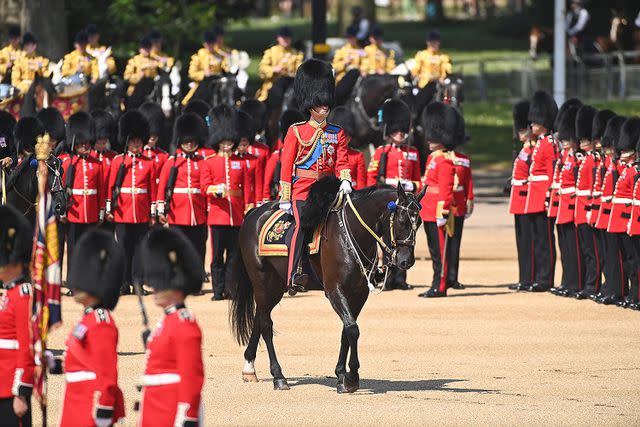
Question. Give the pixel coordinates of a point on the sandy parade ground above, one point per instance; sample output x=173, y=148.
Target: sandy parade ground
x=485, y=355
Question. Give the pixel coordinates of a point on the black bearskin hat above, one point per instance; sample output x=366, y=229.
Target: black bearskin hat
x=520, y=115
x=396, y=116
x=25, y=133
x=98, y=267
x=169, y=261
x=197, y=106
x=190, y=127
x=571, y=102
x=132, y=124
x=314, y=85
x=16, y=237
x=566, y=124
x=104, y=124
x=7, y=123
x=223, y=122
x=288, y=118
x=629, y=134
x=154, y=115
x=543, y=110
x=599, y=124
x=460, y=136
x=257, y=110
x=245, y=126
x=612, y=131
x=440, y=122
x=81, y=128
x=53, y=123
x=343, y=117
x=584, y=122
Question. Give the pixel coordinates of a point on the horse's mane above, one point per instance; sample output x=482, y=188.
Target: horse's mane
x=367, y=192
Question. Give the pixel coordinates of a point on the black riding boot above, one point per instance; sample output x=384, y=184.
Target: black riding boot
x=217, y=277
x=299, y=278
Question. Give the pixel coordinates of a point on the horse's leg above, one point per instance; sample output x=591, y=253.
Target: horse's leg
x=249, y=370
x=279, y=381
x=341, y=367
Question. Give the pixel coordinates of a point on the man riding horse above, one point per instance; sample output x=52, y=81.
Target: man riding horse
x=431, y=67
x=140, y=72
x=206, y=67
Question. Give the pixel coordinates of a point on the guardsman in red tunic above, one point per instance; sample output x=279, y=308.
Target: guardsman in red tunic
x=439, y=177
x=155, y=116
x=587, y=171
x=16, y=359
x=103, y=148
x=634, y=233
x=542, y=113
x=84, y=181
x=252, y=162
x=257, y=112
x=132, y=190
x=174, y=372
x=92, y=396
x=226, y=182
x=341, y=116
x=518, y=197
x=312, y=150
x=271, y=183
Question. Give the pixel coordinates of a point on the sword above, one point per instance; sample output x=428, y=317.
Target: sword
x=143, y=311
x=4, y=188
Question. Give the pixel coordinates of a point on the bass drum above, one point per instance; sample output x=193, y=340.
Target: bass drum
x=74, y=85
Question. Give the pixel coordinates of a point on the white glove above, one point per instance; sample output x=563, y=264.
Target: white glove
x=407, y=185
x=345, y=187
x=470, y=206
x=589, y=216
x=286, y=206
x=103, y=422
x=440, y=222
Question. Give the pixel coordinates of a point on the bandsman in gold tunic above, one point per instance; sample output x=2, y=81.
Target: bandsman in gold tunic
x=166, y=62
x=346, y=63
x=140, y=66
x=277, y=68
x=30, y=65
x=376, y=59
x=79, y=60
x=209, y=61
x=10, y=54
x=431, y=67
x=95, y=49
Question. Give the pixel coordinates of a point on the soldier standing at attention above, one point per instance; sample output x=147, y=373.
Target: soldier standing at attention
x=154, y=115
x=376, y=59
x=10, y=54
x=431, y=66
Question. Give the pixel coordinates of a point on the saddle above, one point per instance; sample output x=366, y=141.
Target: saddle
x=276, y=233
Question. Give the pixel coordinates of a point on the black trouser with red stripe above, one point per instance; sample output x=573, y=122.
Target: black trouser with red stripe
x=455, y=242
x=197, y=235
x=601, y=247
x=615, y=284
x=224, y=240
x=544, y=248
x=8, y=418
x=524, y=246
x=439, y=249
x=572, y=266
x=75, y=230
x=631, y=250
x=589, y=254
x=129, y=236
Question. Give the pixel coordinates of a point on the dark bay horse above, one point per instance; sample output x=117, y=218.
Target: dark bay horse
x=348, y=250
x=216, y=90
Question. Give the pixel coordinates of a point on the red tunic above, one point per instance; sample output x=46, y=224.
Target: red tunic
x=622, y=201
x=358, y=169
x=261, y=152
x=463, y=183
x=634, y=223
x=173, y=374
x=136, y=202
x=567, y=190
x=159, y=157
x=540, y=173
x=310, y=153
x=256, y=174
x=601, y=165
x=519, y=183
x=553, y=195
x=229, y=174
x=584, y=186
x=439, y=177
x=105, y=157
x=606, y=198
x=91, y=371
x=88, y=190
x=403, y=163
x=16, y=359
x=269, y=172
x=188, y=203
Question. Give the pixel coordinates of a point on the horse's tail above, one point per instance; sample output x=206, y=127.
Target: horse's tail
x=242, y=313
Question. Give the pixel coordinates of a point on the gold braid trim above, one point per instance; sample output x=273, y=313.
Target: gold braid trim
x=345, y=175
x=304, y=144
x=285, y=191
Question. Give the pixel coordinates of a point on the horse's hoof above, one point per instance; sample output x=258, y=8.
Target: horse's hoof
x=341, y=388
x=280, y=384
x=346, y=386
x=249, y=377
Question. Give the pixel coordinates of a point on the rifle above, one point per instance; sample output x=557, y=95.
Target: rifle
x=116, y=188
x=171, y=183
x=71, y=173
x=143, y=312
x=382, y=168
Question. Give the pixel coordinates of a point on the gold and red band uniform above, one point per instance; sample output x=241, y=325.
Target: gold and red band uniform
x=439, y=178
x=463, y=184
x=358, y=169
x=91, y=371
x=188, y=204
x=541, y=172
x=403, y=163
x=136, y=201
x=520, y=181
x=87, y=194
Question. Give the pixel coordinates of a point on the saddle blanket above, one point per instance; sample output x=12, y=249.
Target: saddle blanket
x=276, y=233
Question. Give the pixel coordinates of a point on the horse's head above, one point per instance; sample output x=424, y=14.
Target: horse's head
x=618, y=23
x=103, y=63
x=451, y=90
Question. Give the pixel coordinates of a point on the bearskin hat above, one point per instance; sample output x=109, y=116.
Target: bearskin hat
x=190, y=127
x=53, y=123
x=154, y=115
x=612, y=131
x=396, y=116
x=257, y=110
x=343, y=117
x=132, y=124
x=98, y=267
x=223, y=122
x=566, y=124
x=543, y=109
x=7, y=123
x=599, y=124
x=169, y=261
x=245, y=126
x=288, y=118
x=440, y=124
x=629, y=134
x=16, y=237
x=104, y=124
x=81, y=128
x=314, y=85
x=461, y=136
x=520, y=115
x=197, y=106
x=571, y=102
x=584, y=122
x=25, y=133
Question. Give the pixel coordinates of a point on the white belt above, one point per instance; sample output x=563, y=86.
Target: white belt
x=597, y=194
x=518, y=182
x=583, y=192
x=622, y=201
x=555, y=186
x=458, y=188
x=129, y=190
x=160, y=379
x=83, y=192
x=78, y=376
x=636, y=203
x=391, y=181
x=535, y=178
x=606, y=198
x=186, y=191
x=9, y=344
x=568, y=190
